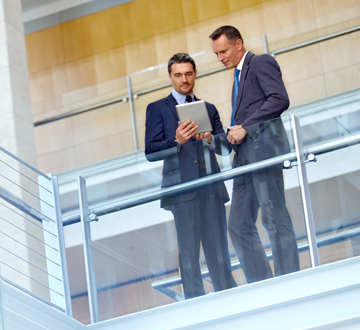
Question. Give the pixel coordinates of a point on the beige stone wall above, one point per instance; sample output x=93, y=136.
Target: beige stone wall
x=84, y=61
x=19, y=236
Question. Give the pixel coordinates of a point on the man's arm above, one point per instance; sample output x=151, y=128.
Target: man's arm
x=236, y=134
x=185, y=131
x=269, y=77
x=157, y=145
x=216, y=138
x=154, y=131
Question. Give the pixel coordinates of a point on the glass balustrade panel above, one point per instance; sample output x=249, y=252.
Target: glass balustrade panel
x=334, y=182
x=156, y=77
x=29, y=250
x=144, y=249
x=334, y=179
x=329, y=121
x=1, y=300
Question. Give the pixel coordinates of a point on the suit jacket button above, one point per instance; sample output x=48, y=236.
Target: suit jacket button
x=195, y=161
x=257, y=132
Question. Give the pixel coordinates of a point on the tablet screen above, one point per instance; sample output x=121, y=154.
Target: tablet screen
x=195, y=111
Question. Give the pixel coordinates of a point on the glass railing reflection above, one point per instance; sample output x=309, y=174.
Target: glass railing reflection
x=156, y=77
x=148, y=254
x=331, y=120
x=31, y=251
x=334, y=175
x=335, y=191
x=78, y=100
x=1, y=303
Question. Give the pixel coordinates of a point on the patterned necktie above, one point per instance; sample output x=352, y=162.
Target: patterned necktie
x=236, y=88
x=188, y=99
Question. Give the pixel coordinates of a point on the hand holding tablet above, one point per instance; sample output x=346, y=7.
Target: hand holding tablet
x=195, y=111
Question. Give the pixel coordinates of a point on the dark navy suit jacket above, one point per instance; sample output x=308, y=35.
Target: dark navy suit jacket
x=181, y=166
x=261, y=97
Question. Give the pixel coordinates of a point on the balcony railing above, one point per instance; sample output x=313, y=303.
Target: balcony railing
x=32, y=242
x=130, y=241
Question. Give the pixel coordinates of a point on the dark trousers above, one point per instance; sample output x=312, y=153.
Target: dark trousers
x=262, y=189
x=202, y=219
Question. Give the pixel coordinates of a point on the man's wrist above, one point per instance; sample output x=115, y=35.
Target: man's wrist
x=178, y=145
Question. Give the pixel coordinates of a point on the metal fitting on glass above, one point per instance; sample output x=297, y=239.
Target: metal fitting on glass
x=93, y=217
x=310, y=158
x=287, y=164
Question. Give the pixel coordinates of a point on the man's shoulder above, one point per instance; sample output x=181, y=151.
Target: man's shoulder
x=208, y=104
x=260, y=58
x=159, y=102
x=211, y=107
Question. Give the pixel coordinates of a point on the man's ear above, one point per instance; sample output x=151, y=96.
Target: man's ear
x=195, y=73
x=239, y=44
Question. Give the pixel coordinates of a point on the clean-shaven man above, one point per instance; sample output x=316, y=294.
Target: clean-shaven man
x=199, y=214
x=256, y=133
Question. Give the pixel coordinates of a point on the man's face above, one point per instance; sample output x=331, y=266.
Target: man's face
x=183, y=77
x=228, y=54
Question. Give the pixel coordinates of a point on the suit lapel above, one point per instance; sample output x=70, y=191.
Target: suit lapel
x=243, y=75
x=171, y=103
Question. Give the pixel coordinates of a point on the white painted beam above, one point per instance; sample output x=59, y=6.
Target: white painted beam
x=51, y=8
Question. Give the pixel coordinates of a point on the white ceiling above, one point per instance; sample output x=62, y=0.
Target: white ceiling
x=32, y=4
x=35, y=9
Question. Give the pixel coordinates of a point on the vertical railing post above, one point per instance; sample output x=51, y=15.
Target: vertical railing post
x=305, y=193
x=62, y=246
x=55, y=248
x=266, y=46
x=88, y=255
x=2, y=327
x=132, y=112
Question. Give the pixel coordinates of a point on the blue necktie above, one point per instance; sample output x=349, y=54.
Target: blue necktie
x=236, y=88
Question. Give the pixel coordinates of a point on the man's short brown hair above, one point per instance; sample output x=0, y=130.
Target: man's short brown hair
x=232, y=34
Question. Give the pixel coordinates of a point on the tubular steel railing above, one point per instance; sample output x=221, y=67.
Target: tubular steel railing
x=32, y=243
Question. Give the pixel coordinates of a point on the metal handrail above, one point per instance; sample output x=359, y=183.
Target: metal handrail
x=164, y=285
x=31, y=294
x=314, y=41
x=119, y=99
x=24, y=163
x=124, y=97
x=222, y=176
x=302, y=247
x=23, y=206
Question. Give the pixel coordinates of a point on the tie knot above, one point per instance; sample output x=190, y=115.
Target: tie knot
x=236, y=73
x=188, y=99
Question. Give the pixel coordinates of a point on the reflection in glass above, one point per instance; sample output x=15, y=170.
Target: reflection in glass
x=199, y=214
x=262, y=189
x=136, y=252
x=333, y=177
x=330, y=121
x=334, y=183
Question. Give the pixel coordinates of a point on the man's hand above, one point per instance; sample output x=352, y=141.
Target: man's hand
x=185, y=131
x=208, y=136
x=236, y=134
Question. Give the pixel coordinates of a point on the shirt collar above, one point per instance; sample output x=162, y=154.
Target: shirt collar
x=240, y=65
x=180, y=98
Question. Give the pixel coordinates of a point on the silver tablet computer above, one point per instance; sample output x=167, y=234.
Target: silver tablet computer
x=195, y=111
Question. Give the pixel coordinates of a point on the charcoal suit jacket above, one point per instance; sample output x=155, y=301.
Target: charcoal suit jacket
x=261, y=99
x=182, y=165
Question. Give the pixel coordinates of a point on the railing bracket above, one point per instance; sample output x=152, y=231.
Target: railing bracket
x=93, y=217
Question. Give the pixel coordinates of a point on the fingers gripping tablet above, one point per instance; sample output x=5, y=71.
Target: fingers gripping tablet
x=195, y=111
